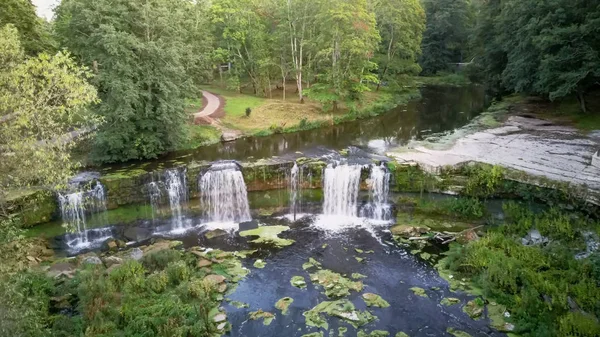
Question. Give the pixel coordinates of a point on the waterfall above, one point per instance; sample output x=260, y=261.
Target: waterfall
x=176, y=185
x=379, y=188
x=341, y=185
x=295, y=191
x=74, y=207
x=172, y=184
x=223, y=194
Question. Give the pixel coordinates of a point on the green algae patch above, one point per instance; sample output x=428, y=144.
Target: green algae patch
x=457, y=333
x=402, y=334
x=245, y=253
x=374, y=333
x=314, y=334
x=298, y=282
x=358, y=276
x=239, y=304
x=374, y=300
x=342, y=331
x=360, y=251
x=474, y=308
x=284, y=304
x=342, y=309
x=335, y=285
x=260, y=264
x=267, y=317
x=312, y=263
x=269, y=235
x=419, y=291
x=359, y=259
x=448, y=301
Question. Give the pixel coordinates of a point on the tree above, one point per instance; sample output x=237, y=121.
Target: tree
x=142, y=52
x=34, y=32
x=401, y=24
x=42, y=99
x=346, y=42
x=548, y=47
x=446, y=34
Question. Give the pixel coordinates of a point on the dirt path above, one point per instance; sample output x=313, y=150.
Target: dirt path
x=210, y=114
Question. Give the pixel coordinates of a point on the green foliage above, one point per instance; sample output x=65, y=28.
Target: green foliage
x=42, y=99
x=483, y=180
x=542, y=47
x=34, y=32
x=143, y=53
x=538, y=284
x=446, y=33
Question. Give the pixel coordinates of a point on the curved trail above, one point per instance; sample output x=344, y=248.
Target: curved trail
x=213, y=104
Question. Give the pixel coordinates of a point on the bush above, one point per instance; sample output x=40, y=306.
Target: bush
x=248, y=112
x=161, y=259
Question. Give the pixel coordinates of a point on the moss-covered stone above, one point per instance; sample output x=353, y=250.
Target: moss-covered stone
x=298, y=282
x=457, y=333
x=284, y=304
x=474, y=308
x=260, y=264
x=374, y=333
x=342, y=309
x=32, y=206
x=268, y=235
x=419, y=291
x=312, y=263
x=374, y=300
x=267, y=317
x=448, y=301
x=335, y=285
x=402, y=334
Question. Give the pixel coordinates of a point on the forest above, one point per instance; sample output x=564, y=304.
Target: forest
x=117, y=82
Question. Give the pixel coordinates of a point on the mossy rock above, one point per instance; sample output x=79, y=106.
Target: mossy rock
x=402, y=334
x=358, y=276
x=312, y=263
x=267, y=317
x=335, y=285
x=298, y=282
x=419, y=291
x=260, y=264
x=374, y=333
x=374, y=300
x=448, y=301
x=32, y=206
x=342, y=309
x=457, y=333
x=284, y=304
x=268, y=235
x=474, y=308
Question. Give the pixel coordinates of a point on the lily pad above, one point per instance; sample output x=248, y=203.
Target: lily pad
x=260, y=264
x=268, y=235
x=312, y=263
x=298, y=282
x=342, y=309
x=267, y=317
x=284, y=304
x=419, y=291
x=335, y=285
x=448, y=301
x=374, y=300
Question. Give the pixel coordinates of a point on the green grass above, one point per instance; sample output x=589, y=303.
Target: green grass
x=235, y=103
x=199, y=135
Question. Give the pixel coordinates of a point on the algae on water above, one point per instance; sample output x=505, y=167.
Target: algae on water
x=268, y=235
x=357, y=276
x=312, y=263
x=457, y=333
x=374, y=333
x=342, y=309
x=260, y=264
x=448, y=301
x=419, y=291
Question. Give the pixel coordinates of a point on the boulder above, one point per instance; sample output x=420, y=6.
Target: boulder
x=110, y=245
x=220, y=318
x=60, y=269
x=534, y=238
x=409, y=231
x=112, y=260
x=203, y=263
x=136, y=254
x=92, y=259
x=215, y=233
x=215, y=279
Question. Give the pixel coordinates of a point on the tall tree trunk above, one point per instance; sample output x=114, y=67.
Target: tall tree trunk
x=581, y=99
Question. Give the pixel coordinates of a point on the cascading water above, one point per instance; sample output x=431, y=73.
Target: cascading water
x=176, y=186
x=223, y=194
x=295, y=192
x=76, y=206
x=379, y=188
x=155, y=194
x=341, y=185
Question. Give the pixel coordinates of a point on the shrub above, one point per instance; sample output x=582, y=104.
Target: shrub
x=161, y=259
x=178, y=271
x=248, y=112
x=484, y=180
x=157, y=281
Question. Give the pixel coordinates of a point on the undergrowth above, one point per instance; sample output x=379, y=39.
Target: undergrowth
x=547, y=291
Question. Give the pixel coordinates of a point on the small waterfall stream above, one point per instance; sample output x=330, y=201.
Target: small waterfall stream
x=76, y=206
x=173, y=185
x=379, y=189
x=295, y=191
x=223, y=194
x=341, y=185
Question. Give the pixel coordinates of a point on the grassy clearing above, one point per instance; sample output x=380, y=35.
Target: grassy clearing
x=236, y=103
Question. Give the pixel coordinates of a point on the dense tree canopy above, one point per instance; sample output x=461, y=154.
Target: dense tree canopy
x=34, y=32
x=144, y=56
x=549, y=47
